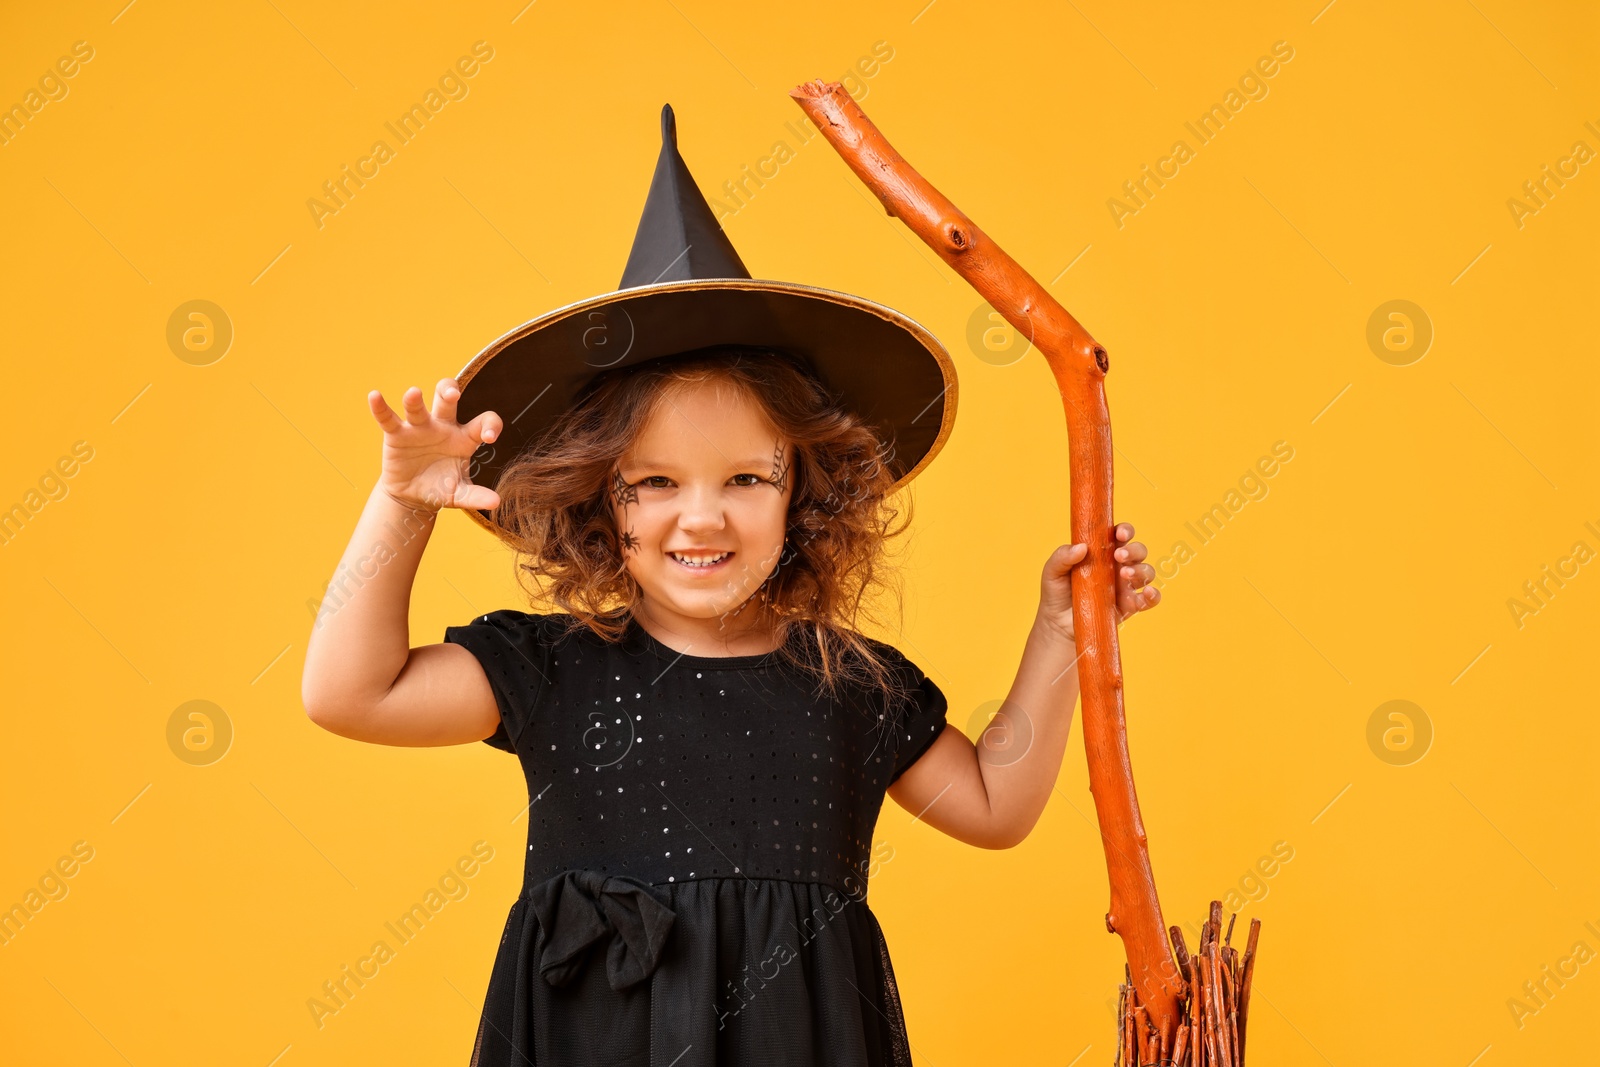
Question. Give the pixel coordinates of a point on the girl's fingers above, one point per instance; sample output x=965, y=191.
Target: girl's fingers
x=445, y=396
x=1124, y=531
x=1139, y=575
x=476, y=496
x=416, y=411
x=1064, y=559
x=485, y=428
x=1146, y=596
x=1131, y=553
x=383, y=412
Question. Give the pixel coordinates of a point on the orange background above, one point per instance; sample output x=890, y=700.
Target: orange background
x=181, y=561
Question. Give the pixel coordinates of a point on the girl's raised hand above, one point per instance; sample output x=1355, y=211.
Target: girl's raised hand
x=1134, y=593
x=426, y=455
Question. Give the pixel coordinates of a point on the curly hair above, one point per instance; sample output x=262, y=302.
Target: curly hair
x=555, y=506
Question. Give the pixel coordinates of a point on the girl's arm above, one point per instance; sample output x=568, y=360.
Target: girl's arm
x=992, y=795
x=362, y=679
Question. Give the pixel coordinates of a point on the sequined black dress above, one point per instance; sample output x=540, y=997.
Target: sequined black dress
x=699, y=844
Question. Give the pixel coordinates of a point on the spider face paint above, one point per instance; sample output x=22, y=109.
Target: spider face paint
x=780, y=468
x=623, y=493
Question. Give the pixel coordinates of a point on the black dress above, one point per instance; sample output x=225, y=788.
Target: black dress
x=699, y=844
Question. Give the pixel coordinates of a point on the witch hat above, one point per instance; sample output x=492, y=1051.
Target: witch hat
x=685, y=288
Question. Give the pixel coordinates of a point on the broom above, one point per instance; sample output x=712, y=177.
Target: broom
x=1175, y=1008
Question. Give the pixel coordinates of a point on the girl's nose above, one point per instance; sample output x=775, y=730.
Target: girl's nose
x=702, y=509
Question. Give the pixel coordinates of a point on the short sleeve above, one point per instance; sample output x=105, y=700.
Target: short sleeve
x=512, y=648
x=921, y=717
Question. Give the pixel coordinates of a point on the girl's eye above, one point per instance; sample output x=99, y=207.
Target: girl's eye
x=650, y=481
x=756, y=479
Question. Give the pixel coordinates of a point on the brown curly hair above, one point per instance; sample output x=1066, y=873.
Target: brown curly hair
x=555, y=506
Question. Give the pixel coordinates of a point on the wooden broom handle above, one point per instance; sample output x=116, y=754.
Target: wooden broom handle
x=1079, y=365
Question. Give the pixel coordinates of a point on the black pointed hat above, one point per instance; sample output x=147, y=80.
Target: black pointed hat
x=685, y=288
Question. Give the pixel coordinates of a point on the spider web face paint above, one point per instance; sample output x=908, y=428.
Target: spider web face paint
x=624, y=494
x=621, y=491
x=780, y=469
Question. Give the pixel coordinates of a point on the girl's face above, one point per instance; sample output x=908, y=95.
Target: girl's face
x=701, y=503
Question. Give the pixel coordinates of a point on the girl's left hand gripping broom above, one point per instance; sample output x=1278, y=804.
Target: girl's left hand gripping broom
x=1188, y=1011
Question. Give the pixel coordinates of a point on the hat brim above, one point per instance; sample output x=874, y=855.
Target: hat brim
x=879, y=363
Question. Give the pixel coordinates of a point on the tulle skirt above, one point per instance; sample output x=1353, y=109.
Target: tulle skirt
x=610, y=972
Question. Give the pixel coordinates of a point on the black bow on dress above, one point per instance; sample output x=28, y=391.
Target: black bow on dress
x=577, y=908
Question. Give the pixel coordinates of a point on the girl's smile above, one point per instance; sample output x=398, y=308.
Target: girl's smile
x=702, y=562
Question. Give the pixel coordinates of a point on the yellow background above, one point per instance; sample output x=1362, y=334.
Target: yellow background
x=180, y=563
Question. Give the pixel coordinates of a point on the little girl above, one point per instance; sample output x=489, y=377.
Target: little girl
x=706, y=736
x=707, y=740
